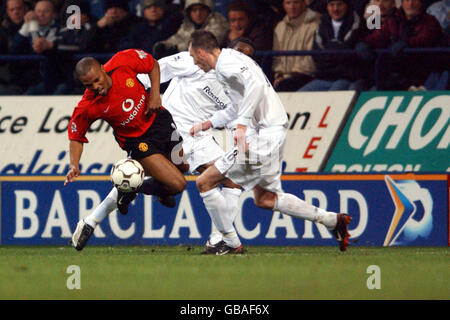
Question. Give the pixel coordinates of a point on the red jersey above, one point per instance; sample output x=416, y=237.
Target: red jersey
x=124, y=105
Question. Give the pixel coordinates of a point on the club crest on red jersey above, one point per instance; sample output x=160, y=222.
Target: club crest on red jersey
x=143, y=147
x=129, y=83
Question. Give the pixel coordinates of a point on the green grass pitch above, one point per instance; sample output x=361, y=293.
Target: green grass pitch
x=264, y=273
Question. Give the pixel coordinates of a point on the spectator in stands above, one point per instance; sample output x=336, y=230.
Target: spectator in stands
x=339, y=28
x=115, y=26
x=357, y=5
x=441, y=11
x=269, y=12
x=410, y=27
x=72, y=38
x=439, y=80
x=199, y=15
x=367, y=55
x=157, y=25
x=387, y=8
x=295, y=32
x=37, y=36
x=10, y=72
x=242, y=23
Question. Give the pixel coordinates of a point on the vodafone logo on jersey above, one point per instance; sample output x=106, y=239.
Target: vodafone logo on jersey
x=127, y=105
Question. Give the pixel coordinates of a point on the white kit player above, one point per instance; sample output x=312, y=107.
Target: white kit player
x=192, y=96
x=259, y=136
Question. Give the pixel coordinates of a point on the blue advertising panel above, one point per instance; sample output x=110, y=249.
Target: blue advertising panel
x=387, y=210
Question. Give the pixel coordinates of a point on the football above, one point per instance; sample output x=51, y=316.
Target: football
x=127, y=175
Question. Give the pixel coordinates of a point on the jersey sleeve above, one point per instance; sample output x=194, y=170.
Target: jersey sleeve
x=177, y=65
x=79, y=123
x=138, y=60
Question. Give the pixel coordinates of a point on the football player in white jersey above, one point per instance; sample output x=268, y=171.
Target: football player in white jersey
x=192, y=96
x=255, y=162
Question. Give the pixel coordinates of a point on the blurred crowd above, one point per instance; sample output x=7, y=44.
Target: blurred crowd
x=56, y=29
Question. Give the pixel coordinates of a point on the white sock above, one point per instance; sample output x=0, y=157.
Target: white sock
x=216, y=236
x=108, y=205
x=217, y=207
x=291, y=205
x=232, y=196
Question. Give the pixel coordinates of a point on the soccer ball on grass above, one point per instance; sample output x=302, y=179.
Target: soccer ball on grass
x=127, y=175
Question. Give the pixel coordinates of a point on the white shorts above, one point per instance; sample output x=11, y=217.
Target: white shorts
x=201, y=150
x=260, y=165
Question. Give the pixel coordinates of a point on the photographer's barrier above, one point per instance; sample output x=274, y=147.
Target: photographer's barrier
x=395, y=132
x=387, y=210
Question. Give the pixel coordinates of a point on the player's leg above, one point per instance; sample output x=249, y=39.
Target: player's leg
x=293, y=206
x=86, y=226
x=163, y=172
x=231, y=193
x=218, y=209
x=155, y=150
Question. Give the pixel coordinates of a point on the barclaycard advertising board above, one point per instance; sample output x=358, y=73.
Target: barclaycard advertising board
x=395, y=132
x=387, y=210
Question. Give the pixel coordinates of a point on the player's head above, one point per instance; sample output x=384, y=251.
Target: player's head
x=244, y=45
x=204, y=48
x=93, y=76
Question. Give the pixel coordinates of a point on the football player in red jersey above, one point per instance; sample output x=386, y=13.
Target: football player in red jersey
x=142, y=127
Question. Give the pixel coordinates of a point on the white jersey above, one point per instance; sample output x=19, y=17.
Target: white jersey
x=193, y=96
x=255, y=103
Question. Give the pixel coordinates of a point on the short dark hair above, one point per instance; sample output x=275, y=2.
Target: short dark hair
x=240, y=5
x=242, y=39
x=83, y=66
x=204, y=40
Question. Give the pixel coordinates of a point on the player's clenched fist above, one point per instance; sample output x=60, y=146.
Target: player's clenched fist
x=154, y=103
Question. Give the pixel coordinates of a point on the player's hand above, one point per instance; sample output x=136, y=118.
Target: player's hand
x=240, y=139
x=154, y=104
x=72, y=174
x=198, y=127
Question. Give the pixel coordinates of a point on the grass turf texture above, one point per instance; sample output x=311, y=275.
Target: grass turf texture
x=180, y=272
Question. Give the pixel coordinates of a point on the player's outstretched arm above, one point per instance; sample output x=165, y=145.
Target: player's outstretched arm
x=76, y=149
x=154, y=102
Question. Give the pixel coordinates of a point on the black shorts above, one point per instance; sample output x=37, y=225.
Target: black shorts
x=162, y=137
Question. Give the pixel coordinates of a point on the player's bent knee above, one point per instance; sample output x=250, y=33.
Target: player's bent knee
x=178, y=186
x=202, y=184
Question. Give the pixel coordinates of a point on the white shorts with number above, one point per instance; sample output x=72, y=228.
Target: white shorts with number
x=260, y=165
x=201, y=150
